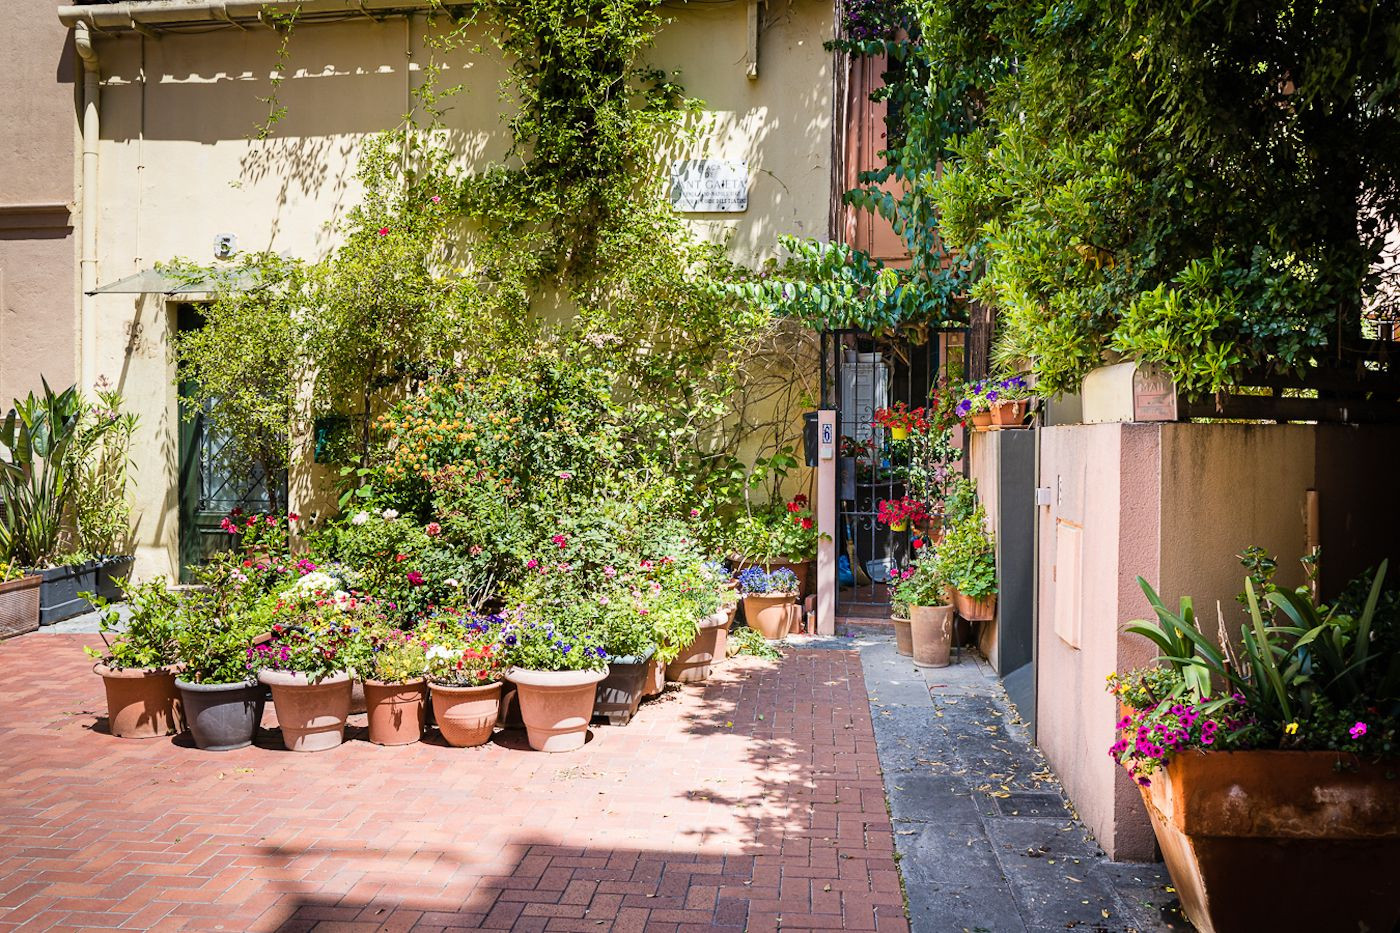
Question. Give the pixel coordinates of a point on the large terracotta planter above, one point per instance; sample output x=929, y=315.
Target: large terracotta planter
x=655, y=678
x=620, y=693
x=397, y=712
x=311, y=714
x=931, y=635
x=803, y=569
x=769, y=614
x=556, y=706
x=1008, y=414
x=466, y=716
x=1272, y=840
x=982, y=421
x=142, y=704
x=975, y=610
x=903, y=637
x=19, y=606
x=222, y=717
x=692, y=665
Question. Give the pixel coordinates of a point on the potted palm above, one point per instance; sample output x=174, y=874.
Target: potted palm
x=930, y=617
x=138, y=663
x=316, y=649
x=396, y=686
x=1270, y=743
x=967, y=560
x=769, y=600
x=556, y=667
x=464, y=676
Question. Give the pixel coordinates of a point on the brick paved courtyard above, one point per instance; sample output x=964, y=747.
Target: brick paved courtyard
x=751, y=801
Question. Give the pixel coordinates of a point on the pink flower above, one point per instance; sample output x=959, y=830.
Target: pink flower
x=433, y=529
x=415, y=578
x=531, y=564
x=564, y=566
x=1358, y=730
x=694, y=513
x=436, y=199
x=474, y=550
x=560, y=540
x=609, y=572
x=383, y=231
x=646, y=565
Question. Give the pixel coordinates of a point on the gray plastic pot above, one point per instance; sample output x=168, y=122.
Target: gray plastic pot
x=222, y=717
x=621, y=691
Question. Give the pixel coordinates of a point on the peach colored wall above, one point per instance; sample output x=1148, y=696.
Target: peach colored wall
x=38, y=262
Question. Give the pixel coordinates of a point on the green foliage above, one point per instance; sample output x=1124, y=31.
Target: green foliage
x=36, y=473
x=101, y=464
x=534, y=639
x=922, y=584
x=967, y=556
x=1204, y=186
x=778, y=532
x=744, y=640
x=149, y=637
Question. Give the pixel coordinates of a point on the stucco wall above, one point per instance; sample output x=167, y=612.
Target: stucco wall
x=178, y=166
x=38, y=267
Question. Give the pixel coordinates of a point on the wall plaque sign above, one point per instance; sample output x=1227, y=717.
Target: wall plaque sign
x=709, y=186
x=1154, y=394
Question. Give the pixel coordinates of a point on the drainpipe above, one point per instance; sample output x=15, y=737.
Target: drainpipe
x=82, y=41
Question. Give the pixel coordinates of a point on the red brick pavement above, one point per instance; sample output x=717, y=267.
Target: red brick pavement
x=752, y=801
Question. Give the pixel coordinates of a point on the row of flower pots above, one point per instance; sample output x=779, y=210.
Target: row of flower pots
x=927, y=634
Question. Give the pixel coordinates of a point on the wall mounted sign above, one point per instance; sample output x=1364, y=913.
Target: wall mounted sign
x=709, y=186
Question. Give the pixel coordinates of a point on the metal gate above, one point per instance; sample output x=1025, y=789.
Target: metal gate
x=862, y=373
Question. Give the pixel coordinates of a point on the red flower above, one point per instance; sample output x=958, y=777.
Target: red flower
x=248, y=563
x=806, y=524
x=794, y=507
x=917, y=543
x=400, y=558
x=433, y=529
x=383, y=231
x=800, y=499
x=293, y=517
x=415, y=578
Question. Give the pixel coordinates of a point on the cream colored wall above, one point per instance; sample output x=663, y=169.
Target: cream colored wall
x=178, y=166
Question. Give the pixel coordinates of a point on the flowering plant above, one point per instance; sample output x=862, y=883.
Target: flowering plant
x=920, y=584
x=756, y=581
x=982, y=395
x=787, y=532
x=532, y=641
x=316, y=633
x=900, y=416
x=901, y=511
x=1160, y=718
x=260, y=532
x=462, y=651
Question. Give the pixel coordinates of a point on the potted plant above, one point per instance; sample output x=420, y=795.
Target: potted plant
x=999, y=403
x=100, y=464
x=690, y=620
x=464, y=677
x=899, y=612
x=556, y=669
x=769, y=600
x=223, y=702
x=967, y=561
x=930, y=617
x=396, y=685
x=138, y=665
x=315, y=651
x=19, y=600
x=1266, y=748
x=628, y=625
x=901, y=421
x=784, y=536
x=898, y=513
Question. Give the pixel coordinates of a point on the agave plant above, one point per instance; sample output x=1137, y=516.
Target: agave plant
x=34, y=484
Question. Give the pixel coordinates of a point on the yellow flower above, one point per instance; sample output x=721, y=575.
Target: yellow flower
x=1291, y=728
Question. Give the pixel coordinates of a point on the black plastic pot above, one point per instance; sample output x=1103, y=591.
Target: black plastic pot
x=112, y=574
x=620, y=692
x=58, y=593
x=222, y=717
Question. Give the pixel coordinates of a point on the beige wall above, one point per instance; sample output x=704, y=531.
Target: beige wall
x=1175, y=503
x=38, y=267
x=178, y=166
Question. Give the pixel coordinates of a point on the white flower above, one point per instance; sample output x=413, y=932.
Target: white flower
x=389, y=515
x=453, y=582
x=360, y=518
x=441, y=653
x=314, y=582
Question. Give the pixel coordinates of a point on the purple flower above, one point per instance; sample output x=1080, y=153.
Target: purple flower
x=1358, y=730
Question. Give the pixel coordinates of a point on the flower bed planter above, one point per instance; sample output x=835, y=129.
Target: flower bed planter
x=466, y=716
x=19, y=606
x=692, y=665
x=312, y=714
x=141, y=704
x=903, y=636
x=931, y=635
x=769, y=614
x=620, y=693
x=556, y=706
x=975, y=610
x=112, y=574
x=397, y=712
x=222, y=717
x=1325, y=826
x=58, y=593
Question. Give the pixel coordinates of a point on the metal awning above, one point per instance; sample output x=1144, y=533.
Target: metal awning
x=156, y=282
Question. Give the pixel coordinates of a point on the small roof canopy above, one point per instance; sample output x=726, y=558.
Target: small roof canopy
x=156, y=282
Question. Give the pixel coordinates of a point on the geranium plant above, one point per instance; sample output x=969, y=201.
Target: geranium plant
x=259, y=532
x=900, y=417
x=898, y=513
x=786, y=532
x=920, y=584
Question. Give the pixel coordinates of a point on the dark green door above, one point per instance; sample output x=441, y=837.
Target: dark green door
x=210, y=484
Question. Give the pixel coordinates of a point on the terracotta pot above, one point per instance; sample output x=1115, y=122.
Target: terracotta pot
x=1009, y=414
x=19, y=606
x=509, y=715
x=466, y=716
x=982, y=421
x=769, y=614
x=975, y=610
x=656, y=678
x=931, y=635
x=903, y=638
x=692, y=665
x=397, y=711
x=311, y=714
x=620, y=693
x=142, y=704
x=556, y=706
x=1321, y=828
x=222, y=717
x=803, y=569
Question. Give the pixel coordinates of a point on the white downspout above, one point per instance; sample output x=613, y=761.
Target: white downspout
x=82, y=41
